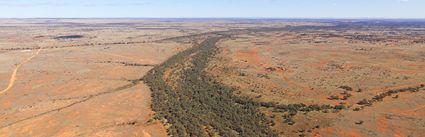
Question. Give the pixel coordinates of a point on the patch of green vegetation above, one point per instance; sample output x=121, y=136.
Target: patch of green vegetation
x=199, y=102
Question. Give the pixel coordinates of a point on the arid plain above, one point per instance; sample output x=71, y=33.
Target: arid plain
x=211, y=77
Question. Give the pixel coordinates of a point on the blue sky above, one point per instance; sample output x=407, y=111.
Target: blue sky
x=214, y=8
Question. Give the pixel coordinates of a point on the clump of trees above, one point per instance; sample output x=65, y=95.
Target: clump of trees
x=346, y=88
x=344, y=96
x=359, y=122
x=291, y=110
x=381, y=96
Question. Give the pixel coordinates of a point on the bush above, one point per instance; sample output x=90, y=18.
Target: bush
x=346, y=88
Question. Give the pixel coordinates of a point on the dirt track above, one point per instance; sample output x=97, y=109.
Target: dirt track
x=15, y=71
x=71, y=88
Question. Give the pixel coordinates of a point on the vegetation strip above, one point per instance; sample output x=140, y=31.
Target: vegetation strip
x=199, y=105
x=126, y=63
x=381, y=96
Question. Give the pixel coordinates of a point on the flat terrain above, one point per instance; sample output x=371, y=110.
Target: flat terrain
x=211, y=77
x=84, y=86
x=336, y=66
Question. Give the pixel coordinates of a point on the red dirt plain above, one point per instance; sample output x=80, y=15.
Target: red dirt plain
x=80, y=77
x=309, y=67
x=89, y=84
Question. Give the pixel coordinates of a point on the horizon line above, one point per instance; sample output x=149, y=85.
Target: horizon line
x=253, y=18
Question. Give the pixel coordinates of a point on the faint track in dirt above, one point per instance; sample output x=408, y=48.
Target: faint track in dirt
x=120, y=124
x=121, y=56
x=73, y=46
x=15, y=72
x=419, y=108
x=83, y=99
x=294, y=84
x=125, y=63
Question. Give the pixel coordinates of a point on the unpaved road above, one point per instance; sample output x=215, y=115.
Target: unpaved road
x=15, y=71
x=64, y=92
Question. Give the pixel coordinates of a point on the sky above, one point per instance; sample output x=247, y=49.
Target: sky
x=212, y=9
